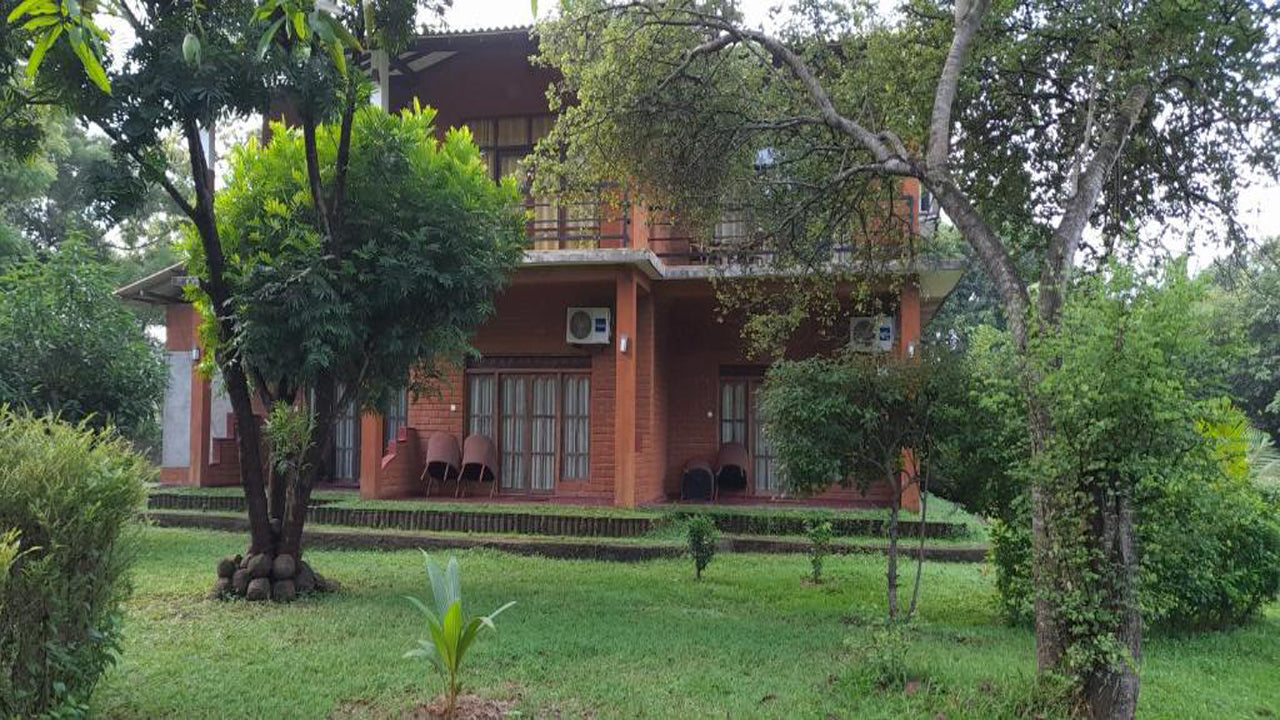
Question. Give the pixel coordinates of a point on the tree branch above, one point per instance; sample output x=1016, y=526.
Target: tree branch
x=1066, y=236
x=968, y=14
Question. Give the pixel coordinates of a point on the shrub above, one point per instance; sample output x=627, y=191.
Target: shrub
x=703, y=536
x=67, y=347
x=1131, y=428
x=67, y=496
x=819, y=534
x=450, y=632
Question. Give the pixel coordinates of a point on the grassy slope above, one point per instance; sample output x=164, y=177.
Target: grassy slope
x=612, y=640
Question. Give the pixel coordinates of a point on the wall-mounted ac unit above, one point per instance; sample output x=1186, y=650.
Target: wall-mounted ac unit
x=588, y=326
x=871, y=334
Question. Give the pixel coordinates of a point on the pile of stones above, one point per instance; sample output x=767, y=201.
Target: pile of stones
x=260, y=576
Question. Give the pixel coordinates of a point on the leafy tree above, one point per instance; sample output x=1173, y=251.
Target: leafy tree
x=195, y=64
x=1049, y=117
x=857, y=419
x=431, y=241
x=1121, y=372
x=69, y=348
x=1249, y=304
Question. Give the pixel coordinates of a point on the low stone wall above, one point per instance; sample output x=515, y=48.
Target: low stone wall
x=426, y=519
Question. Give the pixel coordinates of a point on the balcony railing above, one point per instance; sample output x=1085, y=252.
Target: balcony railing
x=576, y=226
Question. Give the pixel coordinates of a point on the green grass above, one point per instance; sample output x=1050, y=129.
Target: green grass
x=590, y=639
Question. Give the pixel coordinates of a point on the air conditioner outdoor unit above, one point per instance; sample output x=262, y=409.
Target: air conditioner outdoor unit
x=588, y=326
x=871, y=334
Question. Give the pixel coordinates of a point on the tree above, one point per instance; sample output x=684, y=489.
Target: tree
x=860, y=419
x=1249, y=304
x=1049, y=118
x=69, y=348
x=432, y=239
x=193, y=65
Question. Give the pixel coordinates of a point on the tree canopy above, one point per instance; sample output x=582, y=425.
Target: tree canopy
x=432, y=240
x=69, y=348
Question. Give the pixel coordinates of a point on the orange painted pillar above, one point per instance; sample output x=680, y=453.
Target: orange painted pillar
x=624, y=407
x=370, y=455
x=909, y=351
x=201, y=426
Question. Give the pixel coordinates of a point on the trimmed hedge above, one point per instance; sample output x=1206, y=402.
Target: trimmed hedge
x=70, y=493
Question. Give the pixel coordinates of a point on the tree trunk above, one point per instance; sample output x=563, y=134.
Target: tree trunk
x=1111, y=691
x=233, y=374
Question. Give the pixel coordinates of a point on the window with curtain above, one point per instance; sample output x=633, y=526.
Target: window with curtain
x=394, y=416
x=577, y=427
x=742, y=422
x=539, y=420
x=733, y=412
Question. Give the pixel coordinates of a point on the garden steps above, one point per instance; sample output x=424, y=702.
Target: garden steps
x=609, y=549
x=579, y=522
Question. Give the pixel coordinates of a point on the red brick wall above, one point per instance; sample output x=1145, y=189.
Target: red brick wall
x=530, y=322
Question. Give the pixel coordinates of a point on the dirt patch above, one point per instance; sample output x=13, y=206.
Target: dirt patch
x=470, y=707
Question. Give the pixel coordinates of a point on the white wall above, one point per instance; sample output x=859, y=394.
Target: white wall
x=176, y=429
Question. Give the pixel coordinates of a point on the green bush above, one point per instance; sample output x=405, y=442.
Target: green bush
x=703, y=536
x=69, y=493
x=1130, y=423
x=819, y=534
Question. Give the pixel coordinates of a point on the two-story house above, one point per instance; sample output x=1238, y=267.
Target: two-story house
x=604, y=372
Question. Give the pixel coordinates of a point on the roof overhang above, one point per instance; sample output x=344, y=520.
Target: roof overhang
x=159, y=288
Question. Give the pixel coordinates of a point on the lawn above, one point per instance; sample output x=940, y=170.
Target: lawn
x=590, y=639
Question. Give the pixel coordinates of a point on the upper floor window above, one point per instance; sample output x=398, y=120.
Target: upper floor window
x=505, y=141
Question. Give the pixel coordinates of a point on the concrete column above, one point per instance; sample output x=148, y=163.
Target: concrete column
x=624, y=401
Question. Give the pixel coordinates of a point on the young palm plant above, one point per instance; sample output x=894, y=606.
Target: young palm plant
x=450, y=633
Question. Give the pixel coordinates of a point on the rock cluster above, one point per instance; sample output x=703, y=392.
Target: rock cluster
x=259, y=576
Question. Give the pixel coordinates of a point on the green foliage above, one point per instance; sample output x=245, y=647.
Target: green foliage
x=451, y=632
x=1122, y=400
x=702, y=536
x=432, y=239
x=820, y=535
x=69, y=495
x=69, y=348
x=883, y=655
x=849, y=417
x=49, y=20
x=288, y=431
x=1247, y=313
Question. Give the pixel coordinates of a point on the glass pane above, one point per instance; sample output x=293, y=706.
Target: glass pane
x=514, y=413
x=542, y=125
x=733, y=412
x=577, y=429
x=513, y=132
x=543, y=451
x=480, y=405
x=509, y=163
x=765, y=466
x=482, y=131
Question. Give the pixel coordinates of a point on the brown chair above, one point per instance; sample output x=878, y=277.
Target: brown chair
x=444, y=461
x=479, y=462
x=731, y=467
x=697, y=482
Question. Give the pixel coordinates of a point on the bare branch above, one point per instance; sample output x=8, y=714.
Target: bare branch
x=968, y=15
